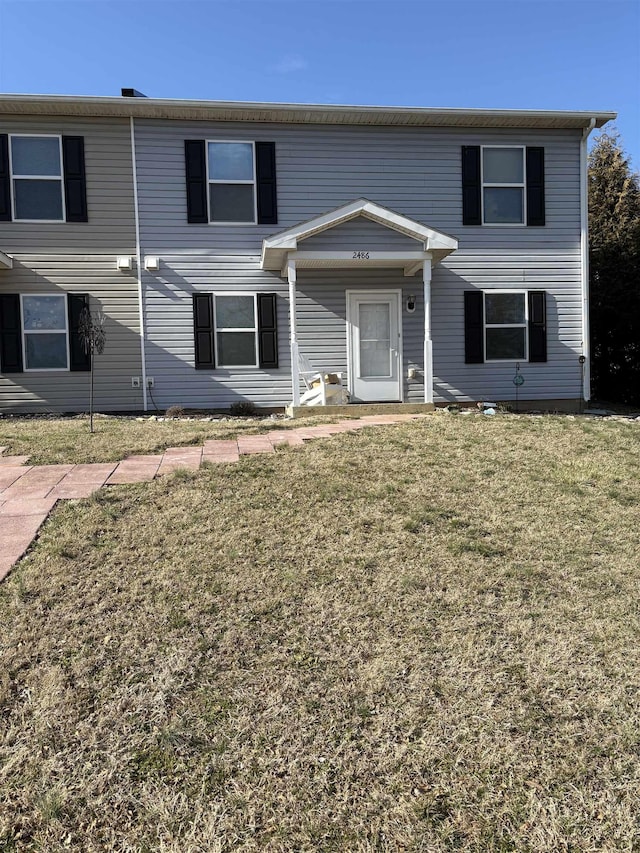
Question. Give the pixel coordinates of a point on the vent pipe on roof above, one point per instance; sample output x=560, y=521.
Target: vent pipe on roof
x=131, y=93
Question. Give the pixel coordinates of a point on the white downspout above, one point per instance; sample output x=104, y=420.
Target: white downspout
x=584, y=250
x=428, y=344
x=295, y=370
x=136, y=213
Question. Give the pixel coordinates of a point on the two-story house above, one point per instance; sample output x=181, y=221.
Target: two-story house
x=428, y=255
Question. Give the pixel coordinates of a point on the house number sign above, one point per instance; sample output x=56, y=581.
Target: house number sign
x=361, y=256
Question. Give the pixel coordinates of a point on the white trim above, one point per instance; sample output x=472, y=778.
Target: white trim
x=25, y=332
x=584, y=257
x=522, y=186
x=136, y=216
x=525, y=325
x=6, y=261
x=59, y=177
x=397, y=292
x=295, y=367
x=428, y=342
x=276, y=248
x=246, y=330
x=253, y=183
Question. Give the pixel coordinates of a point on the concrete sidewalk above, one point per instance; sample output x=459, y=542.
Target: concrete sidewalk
x=28, y=493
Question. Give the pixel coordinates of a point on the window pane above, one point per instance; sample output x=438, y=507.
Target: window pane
x=33, y=155
x=374, y=321
x=38, y=199
x=503, y=204
x=43, y=312
x=231, y=202
x=504, y=307
x=230, y=161
x=505, y=343
x=234, y=312
x=375, y=354
x=375, y=358
x=46, y=351
x=236, y=349
x=502, y=166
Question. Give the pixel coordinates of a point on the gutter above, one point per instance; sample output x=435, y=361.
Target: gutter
x=136, y=213
x=584, y=266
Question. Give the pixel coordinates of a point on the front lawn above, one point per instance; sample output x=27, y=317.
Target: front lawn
x=412, y=638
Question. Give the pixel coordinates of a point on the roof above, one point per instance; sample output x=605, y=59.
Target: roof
x=275, y=249
x=164, y=108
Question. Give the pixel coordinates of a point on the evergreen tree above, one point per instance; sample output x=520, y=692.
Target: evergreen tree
x=614, y=254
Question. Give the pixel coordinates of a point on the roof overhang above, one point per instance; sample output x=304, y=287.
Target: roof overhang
x=286, y=245
x=196, y=110
x=6, y=262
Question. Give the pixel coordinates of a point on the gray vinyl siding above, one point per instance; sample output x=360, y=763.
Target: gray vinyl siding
x=109, y=174
x=112, y=293
x=170, y=353
x=414, y=171
x=360, y=235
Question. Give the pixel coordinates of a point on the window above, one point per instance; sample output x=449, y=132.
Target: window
x=503, y=186
x=44, y=329
x=37, y=178
x=231, y=178
x=236, y=330
x=505, y=326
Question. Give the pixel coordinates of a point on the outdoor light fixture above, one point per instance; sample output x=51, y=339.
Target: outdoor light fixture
x=411, y=304
x=151, y=262
x=123, y=262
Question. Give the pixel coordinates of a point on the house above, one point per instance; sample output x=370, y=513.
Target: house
x=429, y=255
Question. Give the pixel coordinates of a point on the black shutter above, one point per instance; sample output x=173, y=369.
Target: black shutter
x=5, y=180
x=471, y=186
x=266, y=183
x=79, y=359
x=267, y=330
x=75, y=183
x=537, y=325
x=203, y=331
x=196, y=177
x=535, y=186
x=473, y=326
x=10, y=334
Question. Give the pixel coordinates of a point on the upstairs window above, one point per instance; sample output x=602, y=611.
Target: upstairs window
x=37, y=178
x=232, y=183
x=503, y=186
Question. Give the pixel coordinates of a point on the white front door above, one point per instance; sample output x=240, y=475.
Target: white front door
x=375, y=346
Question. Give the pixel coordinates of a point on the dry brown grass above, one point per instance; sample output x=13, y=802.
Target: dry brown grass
x=49, y=441
x=417, y=638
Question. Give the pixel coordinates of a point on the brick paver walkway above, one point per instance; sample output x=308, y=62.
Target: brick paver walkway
x=28, y=493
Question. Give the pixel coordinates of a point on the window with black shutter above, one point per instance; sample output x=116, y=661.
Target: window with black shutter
x=235, y=330
x=503, y=185
x=230, y=182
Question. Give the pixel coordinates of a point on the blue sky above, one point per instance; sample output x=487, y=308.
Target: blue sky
x=544, y=54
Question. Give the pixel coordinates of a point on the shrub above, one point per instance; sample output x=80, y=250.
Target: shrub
x=243, y=409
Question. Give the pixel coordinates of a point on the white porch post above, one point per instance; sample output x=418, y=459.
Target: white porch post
x=295, y=373
x=428, y=346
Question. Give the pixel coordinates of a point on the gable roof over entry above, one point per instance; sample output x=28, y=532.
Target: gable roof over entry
x=279, y=247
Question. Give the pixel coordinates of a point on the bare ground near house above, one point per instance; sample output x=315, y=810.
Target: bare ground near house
x=420, y=637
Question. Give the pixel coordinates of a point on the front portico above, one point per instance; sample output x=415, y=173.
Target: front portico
x=373, y=331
